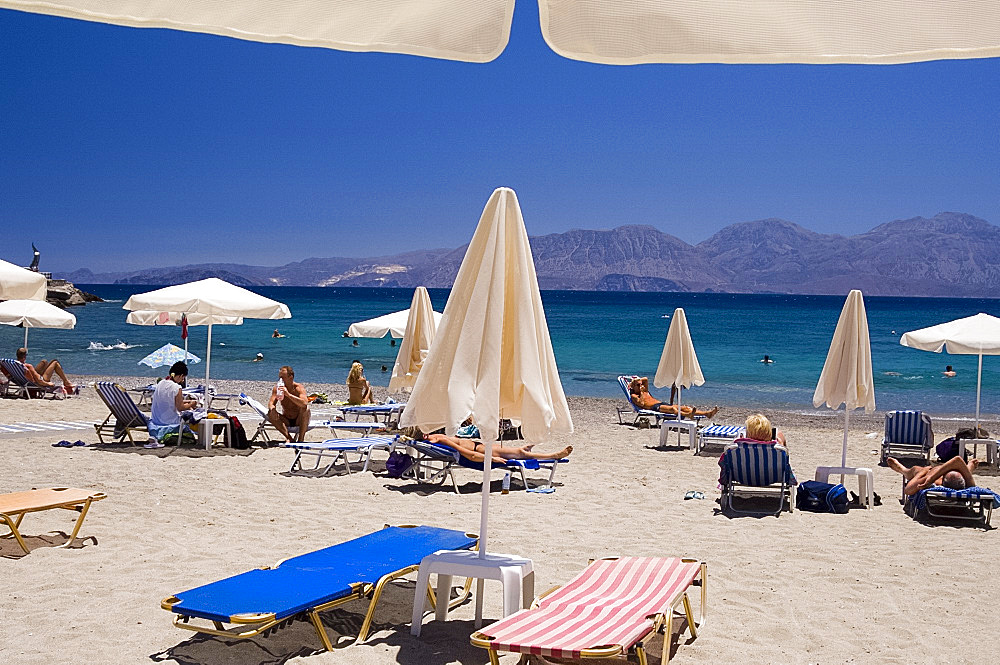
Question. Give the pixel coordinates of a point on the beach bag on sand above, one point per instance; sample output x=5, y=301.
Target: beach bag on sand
x=239, y=434
x=818, y=497
x=398, y=464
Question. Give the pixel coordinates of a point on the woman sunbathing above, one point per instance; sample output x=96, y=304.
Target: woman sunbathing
x=474, y=450
x=638, y=390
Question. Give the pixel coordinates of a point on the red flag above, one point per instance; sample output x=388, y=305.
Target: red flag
x=184, y=326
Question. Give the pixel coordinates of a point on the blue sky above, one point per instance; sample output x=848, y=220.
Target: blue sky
x=125, y=148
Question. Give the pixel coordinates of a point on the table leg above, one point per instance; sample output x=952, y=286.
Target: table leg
x=443, y=596
x=419, y=597
x=480, y=583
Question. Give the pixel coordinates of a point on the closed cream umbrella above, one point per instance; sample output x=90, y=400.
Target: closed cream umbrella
x=211, y=297
x=678, y=362
x=977, y=335
x=16, y=283
x=846, y=379
x=492, y=356
x=421, y=324
x=34, y=314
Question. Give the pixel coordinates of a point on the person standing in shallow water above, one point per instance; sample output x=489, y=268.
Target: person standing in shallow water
x=948, y=371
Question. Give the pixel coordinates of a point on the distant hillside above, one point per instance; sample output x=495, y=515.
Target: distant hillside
x=951, y=254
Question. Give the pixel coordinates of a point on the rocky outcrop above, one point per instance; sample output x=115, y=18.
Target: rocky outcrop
x=64, y=294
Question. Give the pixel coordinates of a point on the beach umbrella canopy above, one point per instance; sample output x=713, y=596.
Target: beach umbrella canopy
x=211, y=297
x=678, y=361
x=388, y=324
x=421, y=325
x=168, y=354
x=17, y=283
x=492, y=357
x=847, y=377
x=34, y=314
x=149, y=318
x=602, y=31
x=977, y=335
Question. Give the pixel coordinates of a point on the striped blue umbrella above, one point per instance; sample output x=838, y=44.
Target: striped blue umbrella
x=168, y=354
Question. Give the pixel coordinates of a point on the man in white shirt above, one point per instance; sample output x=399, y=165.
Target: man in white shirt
x=168, y=400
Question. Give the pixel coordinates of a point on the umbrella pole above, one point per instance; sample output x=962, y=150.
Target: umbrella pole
x=979, y=384
x=843, y=454
x=679, y=415
x=208, y=361
x=484, y=514
x=26, y=348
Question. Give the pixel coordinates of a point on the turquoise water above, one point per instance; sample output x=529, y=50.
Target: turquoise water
x=596, y=336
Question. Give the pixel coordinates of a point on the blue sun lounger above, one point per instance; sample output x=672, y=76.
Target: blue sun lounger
x=311, y=583
x=375, y=411
x=972, y=504
x=427, y=454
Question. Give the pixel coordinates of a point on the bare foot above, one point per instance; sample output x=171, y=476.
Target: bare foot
x=973, y=464
x=563, y=453
x=894, y=464
x=527, y=447
x=711, y=414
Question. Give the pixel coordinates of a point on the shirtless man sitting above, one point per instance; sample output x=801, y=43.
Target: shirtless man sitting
x=475, y=450
x=954, y=474
x=638, y=390
x=294, y=405
x=42, y=371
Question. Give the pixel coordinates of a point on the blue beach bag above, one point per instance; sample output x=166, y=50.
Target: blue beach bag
x=818, y=497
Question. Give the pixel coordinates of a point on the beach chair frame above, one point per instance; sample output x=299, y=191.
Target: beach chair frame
x=908, y=434
x=20, y=384
x=661, y=623
x=262, y=622
x=265, y=424
x=949, y=505
x=338, y=449
x=784, y=489
x=123, y=409
x=427, y=456
x=35, y=501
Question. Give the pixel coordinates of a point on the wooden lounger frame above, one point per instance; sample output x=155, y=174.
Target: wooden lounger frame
x=80, y=503
x=267, y=621
x=661, y=623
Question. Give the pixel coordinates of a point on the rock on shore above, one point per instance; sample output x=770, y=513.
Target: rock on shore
x=64, y=294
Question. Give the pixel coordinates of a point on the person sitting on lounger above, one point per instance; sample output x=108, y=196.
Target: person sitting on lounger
x=638, y=390
x=759, y=430
x=359, y=391
x=474, y=450
x=954, y=474
x=289, y=405
x=42, y=371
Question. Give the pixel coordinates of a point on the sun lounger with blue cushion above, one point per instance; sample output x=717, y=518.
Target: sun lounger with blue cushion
x=362, y=446
x=19, y=382
x=718, y=434
x=305, y=585
x=972, y=504
x=428, y=455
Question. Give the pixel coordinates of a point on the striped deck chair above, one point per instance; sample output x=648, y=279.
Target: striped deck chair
x=634, y=410
x=123, y=409
x=609, y=610
x=755, y=469
x=427, y=456
x=718, y=434
x=907, y=434
x=19, y=382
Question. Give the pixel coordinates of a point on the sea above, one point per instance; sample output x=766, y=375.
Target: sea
x=596, y=336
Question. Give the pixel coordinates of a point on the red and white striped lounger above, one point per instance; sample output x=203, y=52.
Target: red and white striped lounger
x=609, y=610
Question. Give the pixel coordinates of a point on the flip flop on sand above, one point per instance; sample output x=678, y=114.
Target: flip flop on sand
x=542, y=490
x=62, y=444
x=693, y=494
x=79, y=443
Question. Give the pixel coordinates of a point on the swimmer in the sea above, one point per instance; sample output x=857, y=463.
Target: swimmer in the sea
x=766, y=359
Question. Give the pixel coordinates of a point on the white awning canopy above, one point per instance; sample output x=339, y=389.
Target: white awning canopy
x=18, y=283
x=388, y=324
x=602, y=31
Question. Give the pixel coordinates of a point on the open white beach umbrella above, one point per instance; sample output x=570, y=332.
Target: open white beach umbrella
x=34, y=314
x=602, y=31
x=977, y=335
x=212, y=297
x=678, y=362
x=388, y=324
x=17, y=283
x=492, y=357
x=421, y=325
x=847, y=377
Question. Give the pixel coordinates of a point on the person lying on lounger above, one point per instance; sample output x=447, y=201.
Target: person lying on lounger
x=954, y=474
x=42, y=371
x=638, y=390
x=474, y=451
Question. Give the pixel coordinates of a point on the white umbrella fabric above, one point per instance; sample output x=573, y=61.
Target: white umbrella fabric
x=17, y=283
x=212, y=297
x=678, y=362
x=847, y=377
x=421, y=325
x=34, y=314
x=492, y=357
x=388, y=324
x=977, y=335
x=603, y=31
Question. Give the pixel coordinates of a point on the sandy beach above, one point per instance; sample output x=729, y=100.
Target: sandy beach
x=867, y=587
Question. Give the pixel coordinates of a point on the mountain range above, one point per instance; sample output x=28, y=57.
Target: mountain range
x=949, y=254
